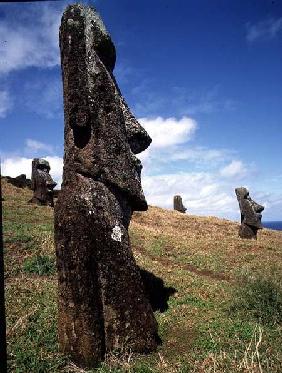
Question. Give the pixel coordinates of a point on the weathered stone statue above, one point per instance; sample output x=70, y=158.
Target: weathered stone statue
x=250, y=214
x=42, y=183
x=102, y=303
x=178, y=205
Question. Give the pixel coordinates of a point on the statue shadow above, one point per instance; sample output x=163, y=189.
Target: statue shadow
x=157, y=293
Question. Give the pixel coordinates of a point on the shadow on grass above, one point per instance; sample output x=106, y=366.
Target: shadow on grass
x=157, y=293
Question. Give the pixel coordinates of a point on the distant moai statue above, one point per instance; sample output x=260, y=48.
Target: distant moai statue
x=42, y=183
x=19, y=181
x=178, y=205
x=102, y=302
x=250, y=214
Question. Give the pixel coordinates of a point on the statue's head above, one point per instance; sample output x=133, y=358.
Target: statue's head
x=250, y=210
x=101, y=134
x=40, y=175
x=42, y=164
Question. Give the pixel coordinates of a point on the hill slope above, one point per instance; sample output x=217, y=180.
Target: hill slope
x=210, y=315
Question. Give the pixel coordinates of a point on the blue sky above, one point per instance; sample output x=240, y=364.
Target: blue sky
x=203, y=77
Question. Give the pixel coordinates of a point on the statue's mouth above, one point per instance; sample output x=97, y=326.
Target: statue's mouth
x=51, y=186
x=259, y=216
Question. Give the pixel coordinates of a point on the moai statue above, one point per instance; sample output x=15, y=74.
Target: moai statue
x=102, y=302
x=42, y=183
x=19, y=181
x=178, y=205
x=250, y=214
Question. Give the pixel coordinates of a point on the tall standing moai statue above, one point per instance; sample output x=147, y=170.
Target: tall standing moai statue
x=250, y=214
x=178, y=205
x=102, y=303
x=42, y=183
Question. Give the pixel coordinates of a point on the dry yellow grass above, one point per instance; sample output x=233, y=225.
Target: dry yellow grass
x=209, y=243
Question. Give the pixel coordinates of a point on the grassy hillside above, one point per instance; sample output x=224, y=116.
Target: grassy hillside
x=217, y=298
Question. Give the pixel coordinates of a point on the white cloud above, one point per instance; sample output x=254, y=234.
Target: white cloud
x=234, y=169
x=5, y=103
x=171, y=148
x=15, y=166
x=168, y=134
x=35, y=146
x=170, y=165
x=56, y=164
x=29, y=36
x=206, y=194
x=202, y=193
x=167, y=164
x=169, y=131
x=264, y=30
x=199, y=154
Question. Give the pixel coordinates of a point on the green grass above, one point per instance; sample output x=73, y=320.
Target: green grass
x=33, y=343
x=193, y=301
x=40, y=265
x=157, y=247
x=259, y=296
x=20, y=233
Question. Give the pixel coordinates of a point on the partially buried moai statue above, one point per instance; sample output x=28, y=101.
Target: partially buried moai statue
x=250, y=214
x=178, y=204
x=42, y=183
x=102, y=303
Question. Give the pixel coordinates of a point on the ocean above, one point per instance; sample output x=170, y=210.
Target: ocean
x=277, y=225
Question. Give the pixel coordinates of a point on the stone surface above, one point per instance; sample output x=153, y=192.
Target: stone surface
x=42, y=183
x=56, y=193
x=178, y=205
x=250, y=214
x=102, y=302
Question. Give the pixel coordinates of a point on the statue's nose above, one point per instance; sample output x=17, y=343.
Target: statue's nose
x=259, y=208
x=137, y=137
